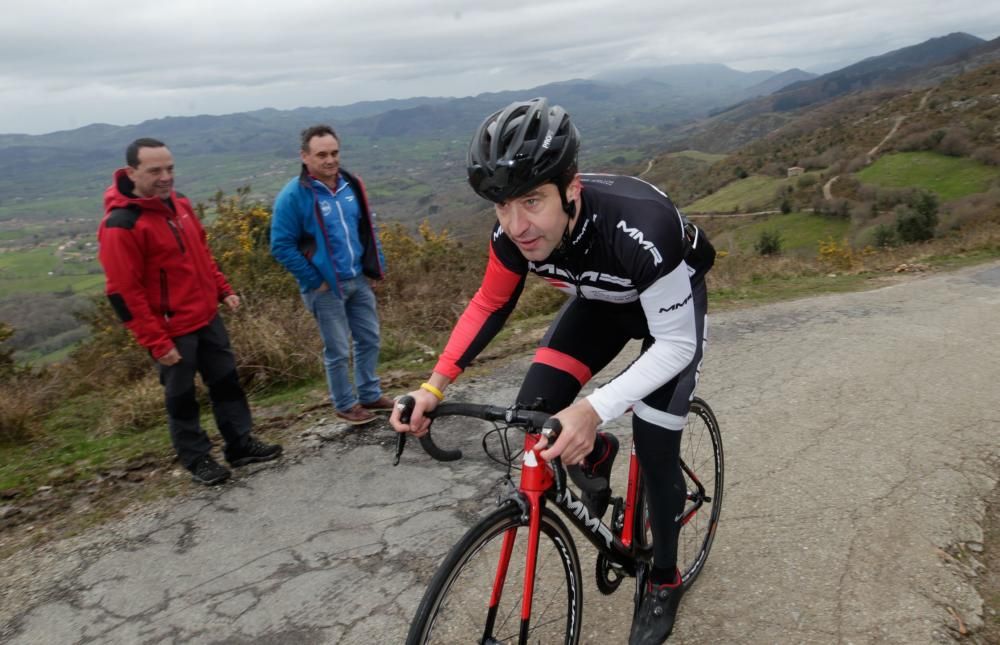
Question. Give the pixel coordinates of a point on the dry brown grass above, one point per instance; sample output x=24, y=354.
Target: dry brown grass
x=734, y=270
x=23, y=401
x=276, y=342
x=136, y=407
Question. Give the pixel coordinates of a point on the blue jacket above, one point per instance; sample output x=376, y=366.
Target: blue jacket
x=298, y=240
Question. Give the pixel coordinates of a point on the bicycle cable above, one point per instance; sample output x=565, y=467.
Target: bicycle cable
x=508, y=457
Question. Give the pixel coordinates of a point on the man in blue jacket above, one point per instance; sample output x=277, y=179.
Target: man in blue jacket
x=323, y=232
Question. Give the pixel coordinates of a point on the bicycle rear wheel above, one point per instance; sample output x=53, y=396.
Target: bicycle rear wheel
x=456, y=608
x=701, y=454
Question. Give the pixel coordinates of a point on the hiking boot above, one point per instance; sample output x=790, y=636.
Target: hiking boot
x=383, y=403
x=594, y=478
x=254, y=451
x=654, y=617
x=208, y=471
x=356, y=416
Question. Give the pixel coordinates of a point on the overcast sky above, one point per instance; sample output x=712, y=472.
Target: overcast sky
x=69, y=63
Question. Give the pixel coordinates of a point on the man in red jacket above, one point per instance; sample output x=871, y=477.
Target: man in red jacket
x=164, y=285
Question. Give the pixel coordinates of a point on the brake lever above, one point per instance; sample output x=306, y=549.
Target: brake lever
x=405, y=405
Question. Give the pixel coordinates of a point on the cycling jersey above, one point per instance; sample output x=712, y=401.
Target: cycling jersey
x=630, y=244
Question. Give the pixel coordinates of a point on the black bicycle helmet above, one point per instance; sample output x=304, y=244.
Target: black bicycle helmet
x=519, y=147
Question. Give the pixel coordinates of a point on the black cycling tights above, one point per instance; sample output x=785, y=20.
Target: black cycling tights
x=658, y=450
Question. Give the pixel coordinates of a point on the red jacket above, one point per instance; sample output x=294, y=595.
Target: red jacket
x=161, y=278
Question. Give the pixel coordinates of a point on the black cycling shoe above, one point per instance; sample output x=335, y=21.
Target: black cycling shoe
x=208, y=471
x=654, y=617
x=254, y=451
x=594, y=479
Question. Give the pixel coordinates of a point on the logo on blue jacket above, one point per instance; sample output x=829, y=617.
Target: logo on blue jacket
x=325, y=207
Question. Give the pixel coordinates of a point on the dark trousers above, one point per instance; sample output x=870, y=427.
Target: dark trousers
x=207, y=352
x=585, y=337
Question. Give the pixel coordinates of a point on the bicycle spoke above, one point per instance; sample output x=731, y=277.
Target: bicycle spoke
x=459, y=609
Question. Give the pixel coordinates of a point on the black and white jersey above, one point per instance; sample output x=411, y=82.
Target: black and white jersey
x=629, y=244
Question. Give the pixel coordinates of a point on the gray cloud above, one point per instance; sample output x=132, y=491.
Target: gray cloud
x=63, y=65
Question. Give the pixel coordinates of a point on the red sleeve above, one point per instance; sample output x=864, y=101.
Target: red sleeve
x=484, y=316
x=123, y=261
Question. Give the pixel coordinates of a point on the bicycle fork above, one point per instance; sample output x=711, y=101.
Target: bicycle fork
x=536, y=478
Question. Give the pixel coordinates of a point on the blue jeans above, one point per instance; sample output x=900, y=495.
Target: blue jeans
x=340, y=320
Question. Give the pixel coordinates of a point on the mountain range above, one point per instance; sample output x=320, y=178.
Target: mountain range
x=410, y=151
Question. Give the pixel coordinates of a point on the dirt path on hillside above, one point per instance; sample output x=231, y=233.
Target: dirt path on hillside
x=862, y=444
x=895, y=126
x=870, y=156
x=828, y=188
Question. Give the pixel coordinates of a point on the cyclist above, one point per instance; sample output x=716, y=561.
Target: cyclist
x=634, y=268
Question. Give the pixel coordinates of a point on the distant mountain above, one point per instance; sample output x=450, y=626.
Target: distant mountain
x=689, y=78
x=419, y=138
x=410, y=150
x=871, y=73
x=739, y=124
x=837, y=137
x=965, y=61
x=778, y=82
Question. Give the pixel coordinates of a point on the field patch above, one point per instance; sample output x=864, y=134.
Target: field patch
x=42, y=270
x=800, y=233
x=697, y=155
x=751, y=194
x=948, y=177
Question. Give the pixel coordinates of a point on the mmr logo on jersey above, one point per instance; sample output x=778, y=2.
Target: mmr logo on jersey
x=636, y=235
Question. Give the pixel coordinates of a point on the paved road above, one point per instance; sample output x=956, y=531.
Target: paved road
x=861, y=434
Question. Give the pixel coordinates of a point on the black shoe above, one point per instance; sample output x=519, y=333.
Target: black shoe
x=254, y=451
x=654, y=617
x=208, y=471
x=594, y=479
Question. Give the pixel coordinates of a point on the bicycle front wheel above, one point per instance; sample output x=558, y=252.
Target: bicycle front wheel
x=475, y=596
x=701, y=456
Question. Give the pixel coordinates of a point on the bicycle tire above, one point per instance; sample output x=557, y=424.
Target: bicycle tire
x=701, y=451
x=455, y=607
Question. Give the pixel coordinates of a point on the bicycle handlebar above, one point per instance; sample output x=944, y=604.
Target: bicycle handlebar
x=530, y=419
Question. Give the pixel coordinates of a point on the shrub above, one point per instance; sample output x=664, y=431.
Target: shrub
x=24, y=399
x=884, y=236
x=856, y=164
x=240, y=242
x=988, y=155
x=768, y=242
x=836, y=255
x=976, y=209
x=6, y=353
x=430, y=279
x=917, y=223
x=805, y=181
x=955, y=143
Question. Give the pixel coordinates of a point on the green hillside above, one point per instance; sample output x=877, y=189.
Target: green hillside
x=949, y=177
x=706, y=157
x=754, y=193
x=42, y=270
x=800, y=233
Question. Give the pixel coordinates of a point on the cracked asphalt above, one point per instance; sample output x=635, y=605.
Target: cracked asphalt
x=862, y=438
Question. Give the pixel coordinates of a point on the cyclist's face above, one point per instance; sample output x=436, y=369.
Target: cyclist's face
x=322, y=159
x=154, y=176
x=535, y=221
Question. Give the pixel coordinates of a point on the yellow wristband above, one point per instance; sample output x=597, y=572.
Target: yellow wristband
x=433, y=390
